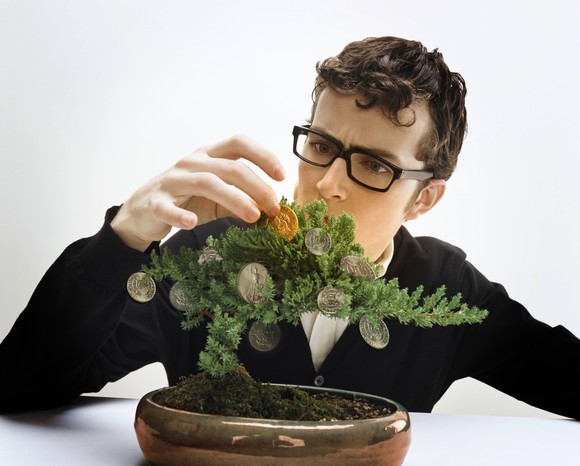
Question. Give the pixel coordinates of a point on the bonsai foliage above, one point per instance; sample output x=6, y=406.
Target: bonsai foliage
x=290, y=283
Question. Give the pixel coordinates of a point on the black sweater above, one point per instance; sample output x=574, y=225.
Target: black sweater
x=81, y=330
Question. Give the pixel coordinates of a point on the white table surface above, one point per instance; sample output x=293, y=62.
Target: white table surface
x=99, y=431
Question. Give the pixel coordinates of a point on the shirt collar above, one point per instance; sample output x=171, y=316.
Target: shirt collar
x=385, y=259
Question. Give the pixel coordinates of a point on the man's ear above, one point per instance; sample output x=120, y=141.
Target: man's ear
x=429, y=196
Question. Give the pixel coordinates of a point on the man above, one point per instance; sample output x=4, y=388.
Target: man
x=387, y=124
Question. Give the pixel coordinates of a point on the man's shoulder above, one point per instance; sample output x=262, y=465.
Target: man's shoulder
x=425, y=259
x=426, y=247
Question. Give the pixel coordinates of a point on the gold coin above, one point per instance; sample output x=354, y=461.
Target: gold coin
x=141, y=287
x=285, y=223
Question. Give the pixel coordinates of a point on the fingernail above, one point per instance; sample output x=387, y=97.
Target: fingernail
x=274, y=210
x=253, y=213
x=188, y=221
x=279, y=172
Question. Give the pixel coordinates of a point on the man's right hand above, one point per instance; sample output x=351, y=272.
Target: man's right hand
x=212, y=182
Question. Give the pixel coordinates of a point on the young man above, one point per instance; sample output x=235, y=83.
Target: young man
x=387, y=125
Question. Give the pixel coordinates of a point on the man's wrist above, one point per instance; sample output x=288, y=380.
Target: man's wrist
x=118, y=224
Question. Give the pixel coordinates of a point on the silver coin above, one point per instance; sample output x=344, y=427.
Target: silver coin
x=250, y=278
x=330, y=300
x=318, y=241
x=141, y=287
x=264, y=337
x=207, y=255
x=375, y=335
x=179, y=298
x=358, y=266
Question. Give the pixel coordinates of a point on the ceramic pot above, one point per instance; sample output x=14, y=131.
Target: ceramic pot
x=171, y=437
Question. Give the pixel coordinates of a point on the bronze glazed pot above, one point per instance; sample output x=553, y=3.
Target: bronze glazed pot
x=171, y=437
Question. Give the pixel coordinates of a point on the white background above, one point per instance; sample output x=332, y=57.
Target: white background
x=96, y=97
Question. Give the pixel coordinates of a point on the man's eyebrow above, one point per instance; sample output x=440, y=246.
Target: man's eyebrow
x=384, y=154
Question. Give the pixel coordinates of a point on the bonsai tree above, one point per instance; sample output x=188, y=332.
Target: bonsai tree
x=303, y=260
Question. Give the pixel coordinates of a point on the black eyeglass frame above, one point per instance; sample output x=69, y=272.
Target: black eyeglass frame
x=345, y=154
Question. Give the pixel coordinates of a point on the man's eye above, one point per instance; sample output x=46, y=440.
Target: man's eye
x=322, y=148
x=376, y=167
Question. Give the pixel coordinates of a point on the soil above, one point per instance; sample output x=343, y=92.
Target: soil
x=238, y=394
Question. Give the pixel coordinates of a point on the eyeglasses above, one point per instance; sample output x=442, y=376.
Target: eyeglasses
x=363, y=167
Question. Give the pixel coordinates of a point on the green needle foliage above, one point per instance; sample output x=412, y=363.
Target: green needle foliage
x=295, y=278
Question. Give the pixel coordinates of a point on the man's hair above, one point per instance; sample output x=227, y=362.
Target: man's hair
x=393, y=73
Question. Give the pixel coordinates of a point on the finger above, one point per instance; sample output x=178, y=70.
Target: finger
x=170, y=214
x=199, y=176
x=240, y=175
x=199, y=188
x=240, y=146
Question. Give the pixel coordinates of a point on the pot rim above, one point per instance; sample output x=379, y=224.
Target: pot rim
x=349, y=394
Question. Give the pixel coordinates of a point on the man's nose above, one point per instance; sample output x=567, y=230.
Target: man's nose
x=334, y=182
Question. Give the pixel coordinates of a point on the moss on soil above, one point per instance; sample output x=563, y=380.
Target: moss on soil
x=238, y=394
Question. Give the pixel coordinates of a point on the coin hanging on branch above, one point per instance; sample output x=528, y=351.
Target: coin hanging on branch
x=250, y=279
x=376, y=335
x=264, y=337
x=208, y=255
x=358, y=267
x=285, y=223
x=330, y=300
x=179, y=298
x=317, y=241
x=141, y=287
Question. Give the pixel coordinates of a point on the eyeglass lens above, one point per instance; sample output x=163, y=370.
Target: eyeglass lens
x=366, y=169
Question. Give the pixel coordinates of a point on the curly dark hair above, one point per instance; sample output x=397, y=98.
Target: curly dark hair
x=392, y=73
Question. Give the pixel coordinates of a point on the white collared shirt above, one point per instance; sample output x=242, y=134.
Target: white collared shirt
x=323, y=332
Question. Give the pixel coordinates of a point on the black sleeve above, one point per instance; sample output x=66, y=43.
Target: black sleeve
x=511, y=350
x=81, y=330
x=515, y=353
x=51, y=354
x=525, y=358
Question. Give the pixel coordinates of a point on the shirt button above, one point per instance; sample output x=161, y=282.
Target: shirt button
x=319, y=381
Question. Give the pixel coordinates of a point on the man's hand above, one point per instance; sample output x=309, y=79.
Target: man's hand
x=210, y=183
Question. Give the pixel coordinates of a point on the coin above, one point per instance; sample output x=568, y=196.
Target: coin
x=375, y=335
x=357, y=266
x=330, y=300
x=207, y=255
x=264, y=337
x=285, y=223
x=141, y=287
x=317, y=241
x=179, y=298
x=251, y=277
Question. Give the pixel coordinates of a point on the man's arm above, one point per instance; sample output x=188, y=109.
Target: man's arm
x=47, y=358
x=63, y=343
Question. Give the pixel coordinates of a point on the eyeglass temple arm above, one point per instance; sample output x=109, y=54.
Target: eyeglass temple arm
x=419, y=175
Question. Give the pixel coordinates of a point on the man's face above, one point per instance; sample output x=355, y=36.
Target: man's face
x=378, y=215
